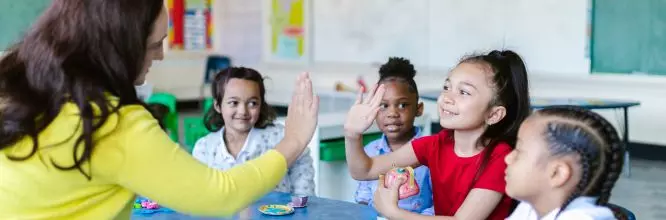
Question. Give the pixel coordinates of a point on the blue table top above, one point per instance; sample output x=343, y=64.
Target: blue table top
x=545, y=102
x=317, y=208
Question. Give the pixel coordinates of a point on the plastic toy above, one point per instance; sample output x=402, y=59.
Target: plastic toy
x=408, y=188
x=145, y=204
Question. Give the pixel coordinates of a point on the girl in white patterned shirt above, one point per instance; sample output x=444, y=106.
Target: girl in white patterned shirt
x=242, y=128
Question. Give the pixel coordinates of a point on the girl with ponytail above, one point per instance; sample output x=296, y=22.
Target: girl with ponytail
x=484, y=100
x=565, y=165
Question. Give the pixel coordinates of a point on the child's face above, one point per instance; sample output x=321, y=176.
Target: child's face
x=527, y=172
x=240, y=105
x=397, y=110
x=465, y=98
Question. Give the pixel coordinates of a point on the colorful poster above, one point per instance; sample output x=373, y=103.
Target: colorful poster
x=287, y=29
x=197, y=26
x=176, y=11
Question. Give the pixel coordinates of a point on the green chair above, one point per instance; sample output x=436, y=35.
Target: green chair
x=194, y=129
x=171, y=119
x=207, y=104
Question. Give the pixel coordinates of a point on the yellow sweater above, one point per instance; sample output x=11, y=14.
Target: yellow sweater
x=132, y=155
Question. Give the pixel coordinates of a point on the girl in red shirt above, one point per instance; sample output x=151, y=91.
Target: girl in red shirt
x=484, y=100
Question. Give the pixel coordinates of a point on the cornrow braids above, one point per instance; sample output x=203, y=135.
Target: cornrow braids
x=567, y=138
x=589, y=135
x=616, y=150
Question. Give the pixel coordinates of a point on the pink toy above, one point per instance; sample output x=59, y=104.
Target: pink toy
x=409, y=187
x=149, y=205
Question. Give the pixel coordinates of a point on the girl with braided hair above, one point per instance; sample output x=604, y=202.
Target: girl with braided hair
x=564, y=166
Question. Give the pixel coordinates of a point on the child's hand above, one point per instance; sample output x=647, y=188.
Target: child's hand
x=363, y=112
x=386, y=197
x=302, y=113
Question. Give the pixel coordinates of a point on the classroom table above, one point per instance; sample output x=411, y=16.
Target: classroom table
x=587, y=103
x=317, y=208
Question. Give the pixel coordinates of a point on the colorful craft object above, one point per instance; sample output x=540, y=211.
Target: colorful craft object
x=276, y=209
x=145, y=204
x=408, y=188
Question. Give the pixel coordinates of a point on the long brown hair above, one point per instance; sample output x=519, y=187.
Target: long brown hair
x=78, y=51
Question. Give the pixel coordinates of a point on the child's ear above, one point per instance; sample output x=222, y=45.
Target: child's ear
x=497, y=113
x=419, y=109
x=217, y=107
x=559, y=173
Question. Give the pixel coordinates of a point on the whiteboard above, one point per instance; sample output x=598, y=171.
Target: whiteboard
x=550, y=35
x=369, y=31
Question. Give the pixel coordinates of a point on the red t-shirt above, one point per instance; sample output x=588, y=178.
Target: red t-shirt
x=452, y=175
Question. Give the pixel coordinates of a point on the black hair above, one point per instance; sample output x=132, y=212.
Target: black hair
x=79, y=52
x=401, y=70
x=577, y=131
x=509, y=77
x=160, y=112
x=214, y=121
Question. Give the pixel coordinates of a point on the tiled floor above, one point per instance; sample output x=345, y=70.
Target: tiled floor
x=644, y=192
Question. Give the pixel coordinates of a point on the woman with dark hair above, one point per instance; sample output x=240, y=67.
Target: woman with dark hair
x=77, y=143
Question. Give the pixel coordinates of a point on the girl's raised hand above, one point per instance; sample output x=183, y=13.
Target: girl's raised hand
x=363, y=112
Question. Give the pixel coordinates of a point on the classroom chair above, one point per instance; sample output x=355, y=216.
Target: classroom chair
x=625, y=213
x=194, y=129
x=171, y=119
x=207, y=104
x=214, y=64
